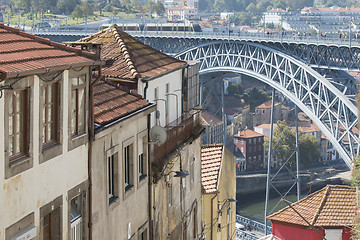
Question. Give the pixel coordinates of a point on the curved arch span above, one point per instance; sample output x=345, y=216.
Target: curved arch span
x=330, y=109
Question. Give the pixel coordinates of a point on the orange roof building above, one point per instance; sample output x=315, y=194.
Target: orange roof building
x=330, y=211
x=218, y=182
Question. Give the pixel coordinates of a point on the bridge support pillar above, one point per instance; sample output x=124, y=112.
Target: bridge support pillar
x=279, y=162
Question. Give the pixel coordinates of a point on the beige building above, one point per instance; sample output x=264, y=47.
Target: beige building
x=182, y=13
x=173, y=85
x=263, y=113
x=218, y=181
x=119, y=170
x=43, y=138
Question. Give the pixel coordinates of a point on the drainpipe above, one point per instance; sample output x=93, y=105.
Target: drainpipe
x=150, y=159
x=91, y=140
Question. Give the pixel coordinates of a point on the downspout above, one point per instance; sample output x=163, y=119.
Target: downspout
x=150, y=159
x=91, y=140
x=212, y=216
x=145, y=88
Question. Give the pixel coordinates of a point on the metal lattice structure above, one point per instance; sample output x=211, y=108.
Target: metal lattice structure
x=324, y=53
x=315, y=95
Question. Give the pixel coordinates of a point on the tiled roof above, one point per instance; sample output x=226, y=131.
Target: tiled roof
x=23, y=54
x=247, y=133
x=208, y=118
x=277, y=10
x=128, y=58
x=111, y=103
x=267, y=105
x=211, y=157
x=332, y=206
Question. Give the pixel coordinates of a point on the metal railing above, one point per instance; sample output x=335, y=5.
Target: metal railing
x=278, y=37
x=252, y=224
x=243, y=235
x=177, y=132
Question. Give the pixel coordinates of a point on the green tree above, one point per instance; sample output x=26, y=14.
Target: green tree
x=86, y=9
x=235, y=90
x=251, y=8
x=67, y=6
x=284, y=141
x=77, y=13
x=159, y=8
x=255, y=97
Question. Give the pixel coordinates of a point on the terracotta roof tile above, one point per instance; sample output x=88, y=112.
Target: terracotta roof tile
x=266, y=105
x=211, y=157
x=332, y=206
x=128, y=58
x=112, y=103
x=23, y=54
x=247, y=133
x=208, y=118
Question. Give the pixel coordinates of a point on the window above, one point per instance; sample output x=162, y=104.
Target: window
x=76, y=218
x=50, y=114
x=143, y=158
x=112, y=177
x=78, y=106
x=128, y=165
x=143, y=235
x=18, y=124
x=167, y=103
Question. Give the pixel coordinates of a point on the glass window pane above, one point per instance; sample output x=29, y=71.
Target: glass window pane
x=50, y=113
x=11, y=107
x=11, y=142
x=74, y=81
x=10, y=125
x=73, y=112
x=81, y=110
x=81, y=80
x=18, y=125
x=50, y=134
x=18, y=102
x=18, y=147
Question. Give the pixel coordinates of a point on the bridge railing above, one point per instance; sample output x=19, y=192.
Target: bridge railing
x=253, y=225
x=243, y=235
x=289, y=37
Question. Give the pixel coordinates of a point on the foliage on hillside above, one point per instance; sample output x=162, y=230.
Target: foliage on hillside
x=284, y=141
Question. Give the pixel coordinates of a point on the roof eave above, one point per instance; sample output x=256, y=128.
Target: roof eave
x=8, y=75
x=144, y=80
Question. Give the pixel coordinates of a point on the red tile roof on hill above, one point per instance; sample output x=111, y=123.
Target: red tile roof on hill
x=332, y=206
x=128, y=58
x=247, y=133
x=211, y=157
x=24, y=54
x=267, y=105
x=209, y=119
x=112, y=103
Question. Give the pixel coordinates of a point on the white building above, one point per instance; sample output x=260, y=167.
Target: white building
x=182, y=13
x=274, y=16
x=43, y=138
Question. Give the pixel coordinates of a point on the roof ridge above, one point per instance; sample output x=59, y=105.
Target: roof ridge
x=323, y=201
x=125, y=52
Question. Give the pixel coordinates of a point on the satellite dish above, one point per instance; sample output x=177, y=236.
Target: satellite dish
x=158, y=134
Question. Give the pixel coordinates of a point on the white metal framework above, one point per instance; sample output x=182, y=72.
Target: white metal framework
x=325, y=104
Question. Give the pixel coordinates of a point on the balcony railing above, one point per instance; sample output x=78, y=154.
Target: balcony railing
x=178, y=132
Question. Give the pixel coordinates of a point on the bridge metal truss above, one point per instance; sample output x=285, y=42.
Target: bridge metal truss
x=332, y=111
x=339, y=56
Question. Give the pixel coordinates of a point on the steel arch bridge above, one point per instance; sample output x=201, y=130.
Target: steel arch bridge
x=323, y=102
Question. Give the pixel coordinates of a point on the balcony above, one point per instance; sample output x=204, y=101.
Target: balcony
x=178, y=131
